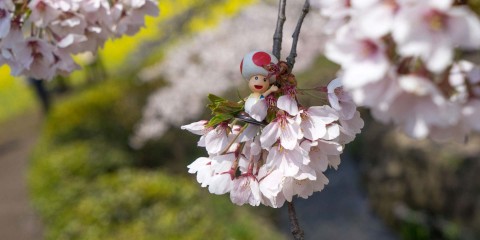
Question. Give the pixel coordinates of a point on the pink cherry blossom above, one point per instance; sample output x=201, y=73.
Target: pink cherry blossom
x=421, y=105
x=464, y=78
x=203, y=168
x=363, y=59
x=257, y=110
x=288, y=104
x=252, y=150
x=291, y=163
x=198, y=128
x=323, y=154
x=283, y=128
x=245, y=190
x=378, y=95
x=272, y=164
x=288, y=157
x=340, y=100
x=271, y=184
x=221, y=180
x=432, y=29
x=337, y=12
x=37, y=39
x=315, y=120
x=6, y=9
x=376, y=18
x=217, y=139
x=395, y=57
x=303, y=188
x=41, y=57
x=349, y=128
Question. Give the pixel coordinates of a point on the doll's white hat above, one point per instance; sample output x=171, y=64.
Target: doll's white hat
x=253, y=64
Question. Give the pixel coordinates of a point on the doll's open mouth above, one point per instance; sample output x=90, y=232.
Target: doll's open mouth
x=258, y=87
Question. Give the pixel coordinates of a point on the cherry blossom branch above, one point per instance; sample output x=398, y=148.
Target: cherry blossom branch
x=234, y=139
x=297, y=232
x=278, y=35
x=296, y=34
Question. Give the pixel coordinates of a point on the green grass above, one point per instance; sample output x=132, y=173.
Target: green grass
x=15, y=95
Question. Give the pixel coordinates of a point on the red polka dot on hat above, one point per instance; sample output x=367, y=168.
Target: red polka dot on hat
x=261, y=59
x=253, y=63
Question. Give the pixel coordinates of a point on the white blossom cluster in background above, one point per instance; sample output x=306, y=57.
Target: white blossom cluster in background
x=37, y=37
x=398, y=58
x=209, y=63
x=286, y=158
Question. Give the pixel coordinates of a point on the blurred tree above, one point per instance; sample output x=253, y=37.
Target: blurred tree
x=43, y=95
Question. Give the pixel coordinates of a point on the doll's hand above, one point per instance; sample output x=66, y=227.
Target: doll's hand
x=273, y=88
x=270, y=90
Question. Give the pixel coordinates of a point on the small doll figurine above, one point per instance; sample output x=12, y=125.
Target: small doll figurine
x=252, y=69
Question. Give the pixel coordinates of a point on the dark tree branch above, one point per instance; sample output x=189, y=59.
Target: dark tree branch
x=296, y=34
x=297, y=232
x=277, y=37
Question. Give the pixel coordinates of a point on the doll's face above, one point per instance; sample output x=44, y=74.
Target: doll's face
x=258, y=84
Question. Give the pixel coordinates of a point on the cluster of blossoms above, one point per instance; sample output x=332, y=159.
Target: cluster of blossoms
x=210, y=56
x=398, y=58
x=37, y=37
x=283, y=155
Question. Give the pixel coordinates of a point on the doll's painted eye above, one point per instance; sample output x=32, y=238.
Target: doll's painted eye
x=256, y=78
x=265, y=79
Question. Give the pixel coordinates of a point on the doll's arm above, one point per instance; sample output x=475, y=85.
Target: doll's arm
x=270, y=90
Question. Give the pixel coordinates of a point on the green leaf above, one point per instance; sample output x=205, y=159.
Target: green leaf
x=228, y=109
x=223, y=109
x=220, y=105
x=219, y=118
x=215, y=99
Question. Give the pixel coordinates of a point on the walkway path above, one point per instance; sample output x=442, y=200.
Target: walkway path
x=340, y=211
x=17, y=138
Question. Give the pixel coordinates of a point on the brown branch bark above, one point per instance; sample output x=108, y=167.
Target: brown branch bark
x=278, y=35
x=297, y=232
x=296, y=34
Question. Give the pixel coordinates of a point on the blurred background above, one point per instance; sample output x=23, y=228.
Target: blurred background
x=99, y=155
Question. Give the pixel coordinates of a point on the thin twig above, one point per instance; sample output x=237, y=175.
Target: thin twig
x=278, y=35
x=312, y=95
x=234, y=139
x=296, y=34
x=297, y=232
